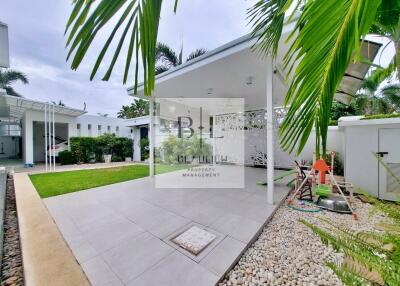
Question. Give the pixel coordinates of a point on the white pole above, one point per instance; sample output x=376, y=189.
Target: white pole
x=270, y=132
x=54, y=142
x=49, y=137
x=151, y=137
x=45, y=134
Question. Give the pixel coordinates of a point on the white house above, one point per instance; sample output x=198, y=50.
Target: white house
x=22, y=127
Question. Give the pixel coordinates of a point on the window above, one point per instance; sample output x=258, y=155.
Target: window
x=99, y=129
x=89, y=128
x=108, y=128
x=78, y=128
x=117, y=130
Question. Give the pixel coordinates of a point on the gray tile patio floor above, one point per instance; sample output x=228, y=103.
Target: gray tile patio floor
x=120, y=233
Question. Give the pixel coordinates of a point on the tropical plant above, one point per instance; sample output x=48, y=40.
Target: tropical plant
x=139, y=107
x=340, y=109
x=325, y=38
x=193, y=149
x=8, y=77
x=144, y=148
x=371, y=99
x=167, y=58
x=370, y=257
x=387, y=24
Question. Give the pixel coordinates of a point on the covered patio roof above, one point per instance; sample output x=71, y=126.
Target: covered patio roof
x=236, y=70
x=15, y=107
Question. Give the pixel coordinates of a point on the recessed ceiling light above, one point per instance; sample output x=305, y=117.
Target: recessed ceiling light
x=249, y=80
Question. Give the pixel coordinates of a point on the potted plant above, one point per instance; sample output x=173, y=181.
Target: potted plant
x=107, y=141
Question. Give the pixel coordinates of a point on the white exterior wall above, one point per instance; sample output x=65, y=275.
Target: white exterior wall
x=31, y=115
x=10, y=146
x=95, y=121
x=335, y=143
x=27, y=130
x=361, y=141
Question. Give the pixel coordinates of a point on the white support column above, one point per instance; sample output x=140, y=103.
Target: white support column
x=270, y=131
x=45, y=134
x=151, y=136
x=54, y=142
x=49, y=136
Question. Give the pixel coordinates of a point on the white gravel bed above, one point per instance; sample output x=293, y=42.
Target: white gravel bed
x=288, y=253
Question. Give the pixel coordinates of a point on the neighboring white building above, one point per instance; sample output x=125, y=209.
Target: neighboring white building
x=22, y=128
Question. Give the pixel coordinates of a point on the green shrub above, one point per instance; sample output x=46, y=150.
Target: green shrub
x=333, y=122
x=173, y=147
x=144, y=151
x=116, y=158
x=89, y=149
x=338, y=168
x=82, y=148
x=66, y=158
x=381, y=116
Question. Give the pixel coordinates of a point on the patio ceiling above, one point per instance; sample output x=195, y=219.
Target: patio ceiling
x=15, y=107
x=235, y=70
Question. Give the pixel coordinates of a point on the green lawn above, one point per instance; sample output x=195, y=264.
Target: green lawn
x=54, y=184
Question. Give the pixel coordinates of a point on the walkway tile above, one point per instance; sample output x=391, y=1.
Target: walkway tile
x=99, y=273
x=82, y=249
x=136, y=255
x=109, y=232
x=203, y=213
x=223, y=256
x=86, y=214
x=238, y=227
x=157, y=221
x=185, y=272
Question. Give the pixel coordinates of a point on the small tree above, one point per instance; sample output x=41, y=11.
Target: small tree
x=8, y=77
x=139, y=107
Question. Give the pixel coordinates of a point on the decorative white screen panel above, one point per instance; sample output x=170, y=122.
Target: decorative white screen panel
x=254, y=125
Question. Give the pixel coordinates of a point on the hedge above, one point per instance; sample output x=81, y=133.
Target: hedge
x=381, y=116
x=66, y=158
x=92, y=149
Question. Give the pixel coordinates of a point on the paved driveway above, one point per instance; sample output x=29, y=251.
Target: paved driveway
x=121, y=234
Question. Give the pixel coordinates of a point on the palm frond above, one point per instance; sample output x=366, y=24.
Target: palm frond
x=138, y=21
x=347, y=276
x=160, y=69
x=166, y=55
x=392, y=93
x=10, y=91
x=318, y=58
x=195, y=54
x=267, y=18
x=8, y=77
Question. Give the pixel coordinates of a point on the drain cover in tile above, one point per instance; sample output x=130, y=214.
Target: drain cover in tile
x=194, y=239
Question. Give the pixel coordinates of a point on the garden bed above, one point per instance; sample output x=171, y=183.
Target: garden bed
x=289, y=253
x=11, y=264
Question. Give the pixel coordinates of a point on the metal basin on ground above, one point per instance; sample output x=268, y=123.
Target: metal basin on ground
x=333, y=203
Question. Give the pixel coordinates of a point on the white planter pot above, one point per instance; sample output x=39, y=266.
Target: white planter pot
x=107, y=158
x=128, y=159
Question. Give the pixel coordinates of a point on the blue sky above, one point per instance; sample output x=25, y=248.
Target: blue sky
x=37, y=47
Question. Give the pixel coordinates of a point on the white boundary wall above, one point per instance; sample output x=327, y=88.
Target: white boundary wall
x=335, y=143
